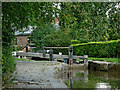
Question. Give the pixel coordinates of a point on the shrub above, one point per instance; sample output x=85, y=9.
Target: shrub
x=79, y=41
x=8, y=66
x=98, y=49
x=58, y=39
x=75, y=41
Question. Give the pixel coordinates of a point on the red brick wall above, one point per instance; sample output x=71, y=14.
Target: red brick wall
x=24, y=41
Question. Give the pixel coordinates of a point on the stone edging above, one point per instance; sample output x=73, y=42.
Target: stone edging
x=103, y=66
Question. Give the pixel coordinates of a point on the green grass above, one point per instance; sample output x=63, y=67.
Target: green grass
x=21, y=59
x=117, y=60
x=105, y=59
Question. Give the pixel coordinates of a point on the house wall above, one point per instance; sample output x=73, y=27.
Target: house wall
x=24, y=49
x=21, y=41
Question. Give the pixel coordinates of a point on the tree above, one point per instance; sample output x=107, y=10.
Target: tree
x=39, y=34
x=57, y=38
x=19, y=15
x=88, y=20
x=113, y=19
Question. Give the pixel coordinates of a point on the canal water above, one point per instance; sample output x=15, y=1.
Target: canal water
x=90, y=79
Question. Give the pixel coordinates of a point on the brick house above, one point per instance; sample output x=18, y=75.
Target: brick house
x=22, y=38
x=23, y=42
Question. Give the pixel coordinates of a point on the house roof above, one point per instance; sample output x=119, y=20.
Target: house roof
x=25, y=31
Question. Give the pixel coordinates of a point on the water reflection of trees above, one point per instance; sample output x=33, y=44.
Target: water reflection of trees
x=91, y=79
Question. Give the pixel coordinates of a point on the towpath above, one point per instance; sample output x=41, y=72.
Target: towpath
x=37, y=74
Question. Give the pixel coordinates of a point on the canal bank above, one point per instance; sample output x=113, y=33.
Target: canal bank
x=103, y=66
x=98, y=74
x=86, y=78
x=44, y=74
x=96, y=65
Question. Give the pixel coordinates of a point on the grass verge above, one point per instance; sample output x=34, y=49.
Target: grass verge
x=22, y=59
x=117, y=60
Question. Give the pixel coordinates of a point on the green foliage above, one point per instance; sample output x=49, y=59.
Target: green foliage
x=21, y=14
x=98, y=49
x=8, y=66
x=17, y=48
x=18, y=15
x=58, y=38
x=79, y=41
x=89, y=21
x=39, y=34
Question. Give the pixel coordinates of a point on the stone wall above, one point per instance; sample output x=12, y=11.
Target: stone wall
x=103, y=66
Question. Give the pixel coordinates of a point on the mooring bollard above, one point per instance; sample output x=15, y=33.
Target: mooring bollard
x=51, y=55
x=70, y=61
x=44, y=51
x=70, y=55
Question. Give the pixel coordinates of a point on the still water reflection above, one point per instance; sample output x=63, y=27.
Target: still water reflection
x=90, y=79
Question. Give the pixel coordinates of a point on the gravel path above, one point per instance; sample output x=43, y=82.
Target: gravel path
x=37, y=74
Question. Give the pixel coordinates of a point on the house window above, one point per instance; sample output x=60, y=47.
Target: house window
x=20, y=41
x=28, y=40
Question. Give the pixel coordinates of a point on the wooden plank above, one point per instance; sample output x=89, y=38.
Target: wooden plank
x=29, y=54
x=32, y=54
x=78, y=57
x=59, y=56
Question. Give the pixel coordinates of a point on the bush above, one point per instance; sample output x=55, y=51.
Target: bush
x=98, y=49
x=58, y=39
x=8, y=67
x=38, y=35
x=79, y=41
x=75, y=41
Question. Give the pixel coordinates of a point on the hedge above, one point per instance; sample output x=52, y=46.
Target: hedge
x=98, y=49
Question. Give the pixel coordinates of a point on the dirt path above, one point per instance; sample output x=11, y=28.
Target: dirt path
x=37, y=74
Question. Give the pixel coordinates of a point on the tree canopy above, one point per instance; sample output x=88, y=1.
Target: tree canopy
x=83, y=21
x=19, y=15
x=89, y=20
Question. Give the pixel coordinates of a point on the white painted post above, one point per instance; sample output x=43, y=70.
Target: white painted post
x=86, y=60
